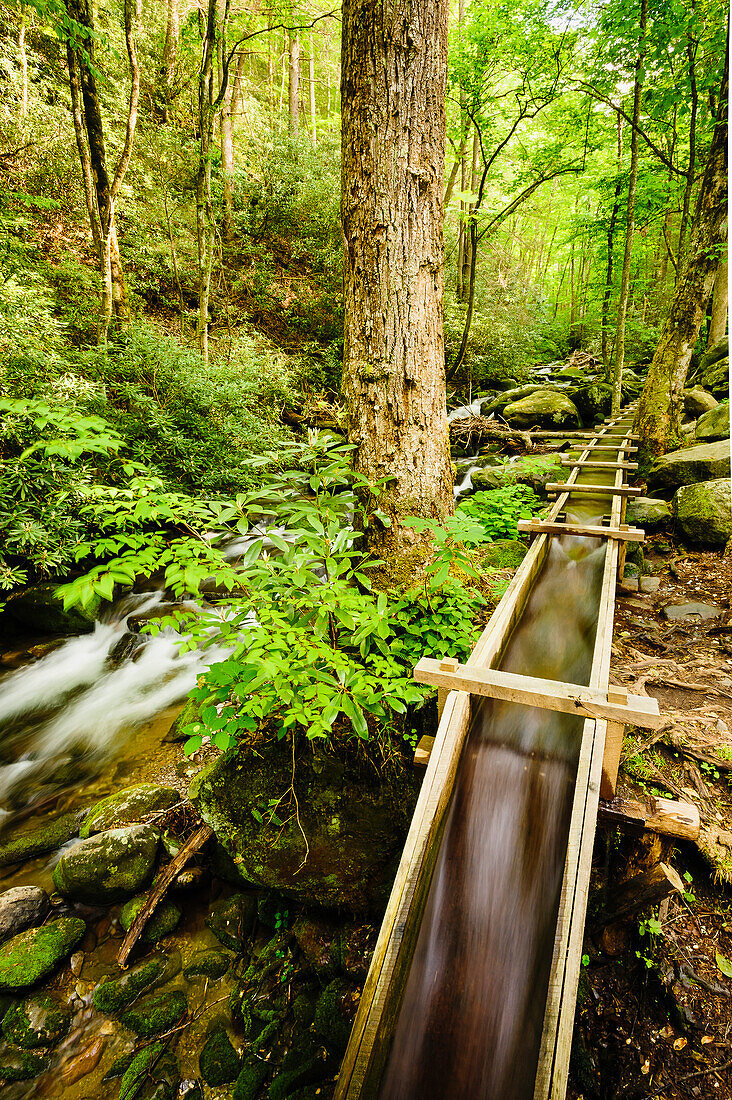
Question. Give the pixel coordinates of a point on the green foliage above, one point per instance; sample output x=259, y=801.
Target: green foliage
x=496, y=512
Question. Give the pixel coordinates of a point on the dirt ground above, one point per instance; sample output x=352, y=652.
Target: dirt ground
x=654, y=1011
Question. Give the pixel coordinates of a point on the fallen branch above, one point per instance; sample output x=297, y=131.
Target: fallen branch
x=191, y=846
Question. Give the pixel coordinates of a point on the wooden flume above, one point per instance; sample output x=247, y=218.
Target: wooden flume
x=606, y=710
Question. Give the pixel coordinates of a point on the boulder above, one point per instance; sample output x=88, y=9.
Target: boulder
x=36, y=842
x=108, y=866
x=40, y=609
x=207, y=964
x=38, y=1021
x=164, y=918
x=218, y=1061
x=34, y=954
x=508, y=396
x=702, y=462
x=156, y=1014
x=21, y=907
x=716, y=377
x=704, y=512
x=113, y=995
x=649, y=513
x=354, y=827
x=128, y=807
x=697, y=401
x=546, y=408
x=593, y=402
x=714, y=424
x=714, y=354
x=533, y=470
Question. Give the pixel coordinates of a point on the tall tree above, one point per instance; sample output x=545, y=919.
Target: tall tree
x=661, y=403
x=394, y=61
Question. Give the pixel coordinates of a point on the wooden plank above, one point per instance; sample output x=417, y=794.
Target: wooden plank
x=610, y=447
x=628, y=534
x=656, y=815
x=599, y=465
x=602, y=434
x=641, y=892
x=599, y=490
x=423, y=751
x=532, y=691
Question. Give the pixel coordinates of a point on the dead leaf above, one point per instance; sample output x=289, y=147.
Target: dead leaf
x=706, y=1039
x=666, y=1032
x=680, y=1043
x=724, y=965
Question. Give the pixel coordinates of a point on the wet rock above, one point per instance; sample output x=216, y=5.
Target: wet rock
x=702, y=462
x=76, y=963
x=697, y=402
x=545, y=408
x=128, y=807
x=704, y=512
x=157, y=1014
x=334, y=1014
x=164, y=918
x=190, y=715
x=319, y=941
x=38, y=1021
x=249, y=1081
x=20, y=1065
x=152, y=1075
x=219, y=1063
x=113, y=995
x=21, y=907
x=232, y=920
x=48, y=838
x=593, y=402
x=503, y=554
x=300, y=1066
x=713, y=425
x=108, y=866
x=40, y=609
x=84, y=1063
x=681, y=612
x=127, y=648
x=190, y=1090
x=34, y=954
x=533, y=470
x=119, y=1066
x=354, y=828
x=207, y=964
x=649, y=513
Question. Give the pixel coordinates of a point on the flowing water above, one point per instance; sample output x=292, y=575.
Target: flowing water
x=471, y=1019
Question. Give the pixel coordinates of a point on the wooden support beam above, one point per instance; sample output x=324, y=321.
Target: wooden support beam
x=625, y=533
x=613, y=747
x=656, y=815
x=423, y=751
x=599, y=465
x=607, y=490
x=603, y=434
x=610, y=447
x=532, y=691
x=642, y=892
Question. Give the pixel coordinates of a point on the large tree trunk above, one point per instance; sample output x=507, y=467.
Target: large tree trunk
x=661, y=403
x=393, y=150
x=718, y=321
x=630, y=222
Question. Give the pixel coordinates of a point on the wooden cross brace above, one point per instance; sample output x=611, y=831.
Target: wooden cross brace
x=531, y=691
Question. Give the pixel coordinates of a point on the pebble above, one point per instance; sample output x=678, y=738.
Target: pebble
x=76, y=962
x=84, y=1063
x=650, y=584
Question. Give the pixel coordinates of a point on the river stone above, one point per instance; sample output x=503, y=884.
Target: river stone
x=649, y=513
x=34, y=954
x=680, y=612
x=164, y=918
x=39, y=1021
x=545, y=408
x=714, y=424
x=153, y=1015
x=151, y=1076
x=218, y=1062
x=508, y=396
x=108, y=866
x=207, y=964
x=20, y=1065
x=232, y=919
x=354, y=827
x=697, y=402
x=40, y=609
x=36, y=842
x=702, y=462
x=20, y=908
x=128, y=807
x=112, y=995
x=533, y=470
x=704, y=512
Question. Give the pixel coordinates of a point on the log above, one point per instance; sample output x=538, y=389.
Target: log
x=627, y=534
x=191, y=846
x=642, y=892
x=600, y=490
x=657, y=815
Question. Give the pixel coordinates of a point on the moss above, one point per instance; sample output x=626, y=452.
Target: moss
x=39, y=1021
x=299, y=1067
x=164, y=919
x=250, y=1079
x=331, y=1020
x=207, y=964
x=139, y=1070
x=218, y=1061
x=34, y=954
x=232, y=919
x=49, y=838
x=303, y=1009
x=114, y=994
x=20, y=1065
x=128, y=807
x=108, y=867
x=503, y=554
x=119, y=1066
x=156, y=1014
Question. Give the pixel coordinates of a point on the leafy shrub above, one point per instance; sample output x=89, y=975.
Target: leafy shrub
x=497, y=511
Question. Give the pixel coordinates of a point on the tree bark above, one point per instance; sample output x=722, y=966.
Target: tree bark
x=294, y=85
x=661, y=403
x=394, y=62
x=718, y=321
x=607, y=293
x=22, y=54
x=170, y=56
x=313, y=116
x=691, y=48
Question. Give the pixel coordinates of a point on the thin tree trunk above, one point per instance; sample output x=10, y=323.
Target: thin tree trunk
x=718, y=321
x=392, y=195
x=691, y=47
x=630, y=223
x=661, y=403
x=294, y=83
x=607, y=294
x=313, y=116
x=170, y=55
x=23, y=70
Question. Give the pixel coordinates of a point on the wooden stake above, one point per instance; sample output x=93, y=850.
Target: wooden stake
x=423, y=751
x=657, y=815
x=642, y=892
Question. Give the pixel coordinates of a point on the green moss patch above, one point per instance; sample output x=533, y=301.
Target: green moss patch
x=128, y=807
x=164, y=919
x=218, y=1061
x=113, y=995
x=34, y=954
x=39, y=1021
x=207, y=964
x=157, y=1014
x=49, y=838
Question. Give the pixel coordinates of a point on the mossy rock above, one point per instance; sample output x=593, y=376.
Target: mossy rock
x=303, y=1008
x=21, y=907
x=119, y=1066
x=354, y=826
x=109, y=866
x=38, y=1021
x=249, y=1081
x=334, y=1014
x=713, y=425
x=218, y=1062
x=704, y=512
x=20, y=1065
x=40, y=609
x=533, y=470
x=232, y=919
x=164, y=919
x=190, y=715
x=153, y=1015
x=128, y=807
x=152, y=1075
x=503, y=554
x=48, y=838
x=35, y=954
x=113, y=995
x=702, y=462
x=207, y=964
x=299, y=1067
x=649, y=513
x=545, y=408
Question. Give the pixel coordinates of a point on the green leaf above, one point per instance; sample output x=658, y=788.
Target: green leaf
x=724, y=965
